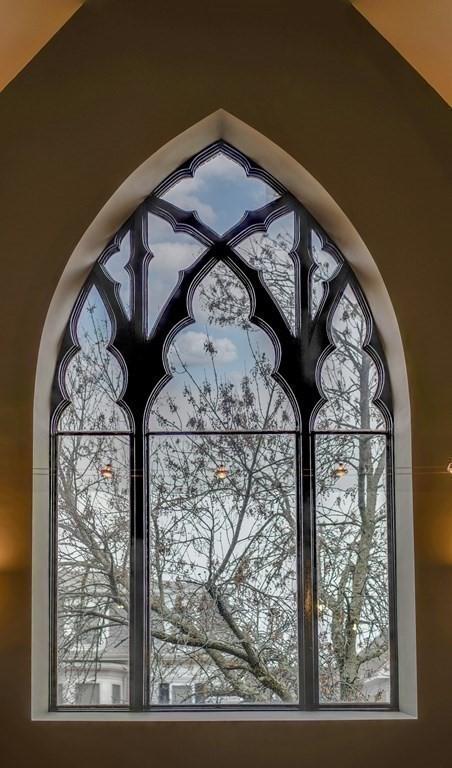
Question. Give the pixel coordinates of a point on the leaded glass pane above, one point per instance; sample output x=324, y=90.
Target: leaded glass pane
x=269, y=252
x=220, y=192
x=223, y=576
x=349, y=377
x=326, y=266
x=94, y=378
x=221, y=367
x=171, y=252
x=352, y=572
x=115, y=266
x=93, y=523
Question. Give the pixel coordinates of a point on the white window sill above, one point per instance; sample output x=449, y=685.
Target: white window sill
x=173, y=717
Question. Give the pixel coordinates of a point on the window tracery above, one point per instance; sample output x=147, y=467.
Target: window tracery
x=222, y=453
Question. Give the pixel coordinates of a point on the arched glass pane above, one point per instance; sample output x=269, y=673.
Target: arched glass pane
x=93, y=524
x=349, y=377
x=326, y=267
x=270, y=253
x=171, y=252
x=221, y=367
x=115, y=267
x=352, y=545
x=220, y=192
x=223, y=568
x=94, y=378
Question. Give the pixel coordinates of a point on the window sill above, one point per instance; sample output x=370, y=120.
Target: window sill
x=210, y=716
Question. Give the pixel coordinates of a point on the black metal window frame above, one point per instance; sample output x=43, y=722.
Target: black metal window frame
x=299, y=360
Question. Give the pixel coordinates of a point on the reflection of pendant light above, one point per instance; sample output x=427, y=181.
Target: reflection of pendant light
x=107, y=471
x=221, y=472
x=449, y=468
x=341, y=470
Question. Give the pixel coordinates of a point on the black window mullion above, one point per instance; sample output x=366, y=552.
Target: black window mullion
x=314, y=566
x=392, y=575
x=307, y=662
x=307, y=395
x=138, y=573
x=136, y=396
x=53, y=596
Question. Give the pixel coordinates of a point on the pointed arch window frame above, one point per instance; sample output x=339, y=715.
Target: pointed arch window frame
x=299, y=361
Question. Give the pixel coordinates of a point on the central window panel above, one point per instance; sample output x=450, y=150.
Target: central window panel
x=223, y=569
x=222, y=505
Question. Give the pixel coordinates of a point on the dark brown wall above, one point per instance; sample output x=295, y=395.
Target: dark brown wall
x=121, y=79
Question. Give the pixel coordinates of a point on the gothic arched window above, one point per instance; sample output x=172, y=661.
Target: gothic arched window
x=221, y=445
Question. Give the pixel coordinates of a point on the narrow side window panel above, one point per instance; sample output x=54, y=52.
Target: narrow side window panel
x=92, y=579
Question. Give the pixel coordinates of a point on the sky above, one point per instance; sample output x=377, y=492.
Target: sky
x=220, y=192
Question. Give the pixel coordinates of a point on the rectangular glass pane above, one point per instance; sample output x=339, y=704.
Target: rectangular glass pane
x=223, y=576
x=352, y=568
x=93, y=520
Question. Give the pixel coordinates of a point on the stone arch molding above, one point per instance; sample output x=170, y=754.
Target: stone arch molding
x=298, y=181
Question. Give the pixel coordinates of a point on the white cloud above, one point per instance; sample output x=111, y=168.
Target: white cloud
x=190, y=193
x=187, y=194
x=222, y=166
x=171, y=257
x=186, y=199
x=191, y=346
x=162, y=236
x=194, y=194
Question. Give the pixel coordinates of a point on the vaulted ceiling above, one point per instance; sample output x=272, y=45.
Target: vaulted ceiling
x=420, y=30
x=26, y=26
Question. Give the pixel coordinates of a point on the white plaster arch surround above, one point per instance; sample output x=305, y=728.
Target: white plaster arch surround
x=222, y=125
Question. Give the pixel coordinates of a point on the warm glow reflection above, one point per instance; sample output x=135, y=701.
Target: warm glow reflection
x=10, y=555
x=14, y=537
x=434, y=531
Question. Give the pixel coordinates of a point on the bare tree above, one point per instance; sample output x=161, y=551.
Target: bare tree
x=351, y=516
x=223, y=517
